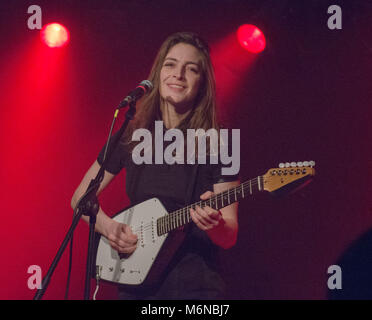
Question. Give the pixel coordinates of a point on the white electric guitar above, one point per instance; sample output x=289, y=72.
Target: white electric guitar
x=154, y=225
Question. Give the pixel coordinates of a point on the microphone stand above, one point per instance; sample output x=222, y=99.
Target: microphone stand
x=89, y=206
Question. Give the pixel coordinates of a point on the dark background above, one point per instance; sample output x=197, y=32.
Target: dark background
x=306, y=97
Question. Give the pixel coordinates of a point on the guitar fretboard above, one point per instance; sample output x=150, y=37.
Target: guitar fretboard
x=182, y=216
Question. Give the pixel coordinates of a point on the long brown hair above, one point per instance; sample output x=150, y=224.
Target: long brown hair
x=203, y=114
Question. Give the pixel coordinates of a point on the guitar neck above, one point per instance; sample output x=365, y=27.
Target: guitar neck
x=182, y=216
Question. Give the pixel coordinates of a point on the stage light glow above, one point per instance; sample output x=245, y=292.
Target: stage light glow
x=54, y=35
x=251, y=38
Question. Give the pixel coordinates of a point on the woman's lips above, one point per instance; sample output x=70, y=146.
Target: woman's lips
x=176, y=86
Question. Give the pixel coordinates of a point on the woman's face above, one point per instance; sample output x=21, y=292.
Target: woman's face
x=180, y=76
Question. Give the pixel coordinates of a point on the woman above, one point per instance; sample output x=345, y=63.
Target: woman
x=183, y=97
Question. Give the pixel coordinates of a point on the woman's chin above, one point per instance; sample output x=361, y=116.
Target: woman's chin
x=180, y=107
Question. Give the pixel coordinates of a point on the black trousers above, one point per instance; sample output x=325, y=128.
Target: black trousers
x=190, y=279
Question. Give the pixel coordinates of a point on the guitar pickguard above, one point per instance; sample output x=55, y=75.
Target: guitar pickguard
x=133, y=269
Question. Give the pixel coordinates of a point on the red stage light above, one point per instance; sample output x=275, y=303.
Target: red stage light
x=251, y=38
x=54, y=35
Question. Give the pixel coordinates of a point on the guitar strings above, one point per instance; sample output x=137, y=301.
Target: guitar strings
x=182, y=215
x=179, y=214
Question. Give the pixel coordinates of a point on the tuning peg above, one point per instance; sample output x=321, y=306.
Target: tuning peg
x=281, y=165
x=287, y=164
x=306, y=163
x=299, y=164
x=312, y=163
x=293, y=164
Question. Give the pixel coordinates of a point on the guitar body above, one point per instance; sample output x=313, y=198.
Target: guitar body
x=160, y=233
x=145, y=265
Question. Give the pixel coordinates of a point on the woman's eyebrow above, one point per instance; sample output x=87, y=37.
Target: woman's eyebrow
x=187, y=62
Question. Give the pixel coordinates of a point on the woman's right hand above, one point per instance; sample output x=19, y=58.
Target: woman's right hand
x=121, y=237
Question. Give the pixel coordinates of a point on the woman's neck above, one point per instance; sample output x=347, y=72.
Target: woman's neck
x=171, y=117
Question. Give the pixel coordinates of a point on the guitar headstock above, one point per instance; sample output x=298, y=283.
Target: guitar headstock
x=288, y=175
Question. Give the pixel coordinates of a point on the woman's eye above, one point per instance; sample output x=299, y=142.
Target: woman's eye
x=194, y=70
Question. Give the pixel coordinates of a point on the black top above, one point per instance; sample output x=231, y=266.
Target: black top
x=195, y=273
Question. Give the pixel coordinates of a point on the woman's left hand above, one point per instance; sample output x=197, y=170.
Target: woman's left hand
x=206, y=218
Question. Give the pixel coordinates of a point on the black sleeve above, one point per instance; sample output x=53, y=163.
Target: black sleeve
x=117, y=160
x=216, y=169
x=218, y=177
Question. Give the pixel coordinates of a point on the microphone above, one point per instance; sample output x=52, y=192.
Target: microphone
x=144, y=87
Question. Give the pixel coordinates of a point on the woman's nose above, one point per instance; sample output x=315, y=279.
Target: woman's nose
x=179, y=73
